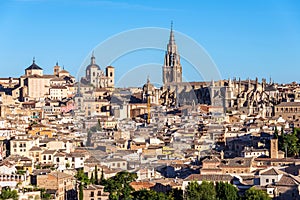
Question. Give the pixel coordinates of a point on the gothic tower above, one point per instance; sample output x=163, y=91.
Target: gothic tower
x=172, y=70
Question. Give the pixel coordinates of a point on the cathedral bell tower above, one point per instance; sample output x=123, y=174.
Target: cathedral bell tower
x=172, y=70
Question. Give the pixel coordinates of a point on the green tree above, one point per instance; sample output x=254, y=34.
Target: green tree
x=145, y=195
x=207, y=191
x=67, y=165
x=80, y=191
x=96, y=175
x=92, y=180
x=256, y=194
x=102, y=179
x=7, y=193
x=226, y=191
x=192, y=191
x=276, y=135
x=175, y=194
x=82, y=177
x=118, y=185
x=290, y=141
x=150, y=195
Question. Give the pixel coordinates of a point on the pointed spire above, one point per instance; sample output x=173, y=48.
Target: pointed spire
x=172, y=38
x=148, y=79
x=56, y=63
x=93, y=59
x=33, y=60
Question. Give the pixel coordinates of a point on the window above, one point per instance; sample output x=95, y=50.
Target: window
x=267, y=180
x=92, y=194
x=273, y=180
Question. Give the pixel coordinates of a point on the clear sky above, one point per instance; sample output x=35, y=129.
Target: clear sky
x=246, y=38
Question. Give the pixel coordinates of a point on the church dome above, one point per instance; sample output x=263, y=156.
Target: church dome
x=33, y=66
x=148, y=86
x=93, y=63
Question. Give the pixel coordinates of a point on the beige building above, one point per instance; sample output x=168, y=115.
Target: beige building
x=58, y=92
x=63, y=184
x=95, y=192
x=288, y=110
x=22, y=144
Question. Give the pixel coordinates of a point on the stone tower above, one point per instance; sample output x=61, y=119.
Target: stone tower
x=172, y=70
x=56, y=69
x=274, y=148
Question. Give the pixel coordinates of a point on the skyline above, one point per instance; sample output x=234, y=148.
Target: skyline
x=243, y=39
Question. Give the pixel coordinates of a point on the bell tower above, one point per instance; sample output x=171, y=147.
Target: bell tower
x=274, y=148
x=172, y=70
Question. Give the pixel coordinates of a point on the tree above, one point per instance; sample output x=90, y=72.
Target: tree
x=276, y=133
x=118, y=185
x=96, y=175
x=226, y=191
x=175, y=194
x=92, y=180
x=150, y=195
x=207, y=191
x=80, y=191
x=67, y=165
x=7, y=193
x=290, y=141
x=256, y=194
x=102, y=179
x=192, y=191
x=80, y=176
x=145, y=195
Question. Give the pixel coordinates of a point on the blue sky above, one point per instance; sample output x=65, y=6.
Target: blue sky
x=244, y=38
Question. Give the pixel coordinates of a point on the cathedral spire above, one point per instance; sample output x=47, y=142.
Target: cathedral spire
x=172, y=70
x=172, y=38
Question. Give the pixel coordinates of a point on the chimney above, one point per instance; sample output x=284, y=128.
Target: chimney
x=222, y=154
